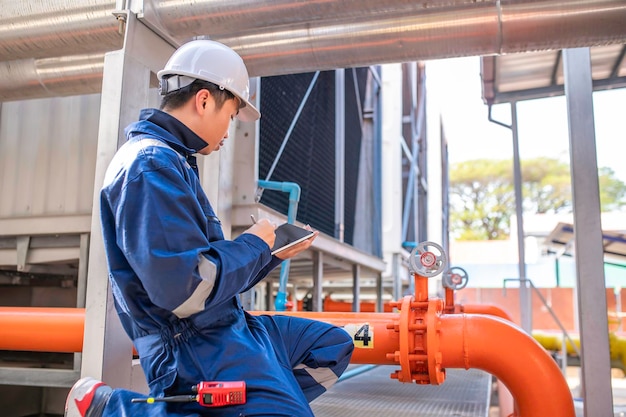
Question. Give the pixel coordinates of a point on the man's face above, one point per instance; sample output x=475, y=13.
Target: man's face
x=216, y=123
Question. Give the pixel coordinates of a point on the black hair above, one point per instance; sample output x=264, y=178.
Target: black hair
x=178, y=98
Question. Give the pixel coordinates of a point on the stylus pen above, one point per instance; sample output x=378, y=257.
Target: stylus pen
x=253, y=219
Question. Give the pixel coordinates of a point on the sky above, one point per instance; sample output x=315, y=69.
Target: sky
x=542, y=123
x=543, y=131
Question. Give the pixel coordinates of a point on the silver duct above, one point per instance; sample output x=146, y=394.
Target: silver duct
x=279, y=36
x=48, y=28
x=50, y=77
x=226, y=18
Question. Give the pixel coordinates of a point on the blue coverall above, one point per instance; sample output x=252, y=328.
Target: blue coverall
x=176, y=281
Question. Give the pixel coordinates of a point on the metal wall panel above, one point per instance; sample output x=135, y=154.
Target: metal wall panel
x=309, y=156
x=47, y=156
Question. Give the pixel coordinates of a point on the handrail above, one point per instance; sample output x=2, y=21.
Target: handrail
x=545, y=303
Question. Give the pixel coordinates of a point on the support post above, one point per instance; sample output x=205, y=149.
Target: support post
x=107, y=352
x=591, y=289
x=318, y=274
x=356, y=288
x=525, y=299
x=340, y=152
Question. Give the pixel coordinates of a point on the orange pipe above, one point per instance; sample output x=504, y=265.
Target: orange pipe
x=53, y=329
x=42, y=329
x=484, y=342
x=505, y=399
x=449, y=299
x=465, y=341
x=384, y=340
x=488, y=309
x=497, y=346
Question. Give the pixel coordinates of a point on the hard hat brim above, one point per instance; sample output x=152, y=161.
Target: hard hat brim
x=248, y=113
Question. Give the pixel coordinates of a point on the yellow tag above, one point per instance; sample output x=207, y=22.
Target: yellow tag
x=362, y=335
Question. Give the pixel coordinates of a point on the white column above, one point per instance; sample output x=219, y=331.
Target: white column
x=434, y=172
x=391, y=161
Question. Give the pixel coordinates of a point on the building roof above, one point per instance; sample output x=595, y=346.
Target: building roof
x=561, y=241
x=531, y=75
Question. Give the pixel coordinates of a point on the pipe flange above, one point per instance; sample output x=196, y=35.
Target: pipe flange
x=455, y=278
x=436, y=373
x=406, y=339
x=423, y=261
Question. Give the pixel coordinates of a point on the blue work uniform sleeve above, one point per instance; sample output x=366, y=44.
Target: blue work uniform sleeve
x=164, y=233
x=263, y=272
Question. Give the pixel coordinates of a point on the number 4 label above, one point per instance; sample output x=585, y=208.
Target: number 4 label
x=362, y=335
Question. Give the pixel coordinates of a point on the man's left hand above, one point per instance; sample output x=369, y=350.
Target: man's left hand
x=300, y=247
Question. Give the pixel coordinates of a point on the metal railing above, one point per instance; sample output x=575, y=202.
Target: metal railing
x=566, y=336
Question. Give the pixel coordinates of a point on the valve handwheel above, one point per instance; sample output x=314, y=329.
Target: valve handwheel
x=428, y=259
x=456, y=278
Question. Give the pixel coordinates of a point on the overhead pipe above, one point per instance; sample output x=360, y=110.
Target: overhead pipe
x=46, y=27
x=226, y=18
x=53, y=28
x=350, y=36
x=51, y=77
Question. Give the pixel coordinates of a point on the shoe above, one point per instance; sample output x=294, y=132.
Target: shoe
x=87, y=398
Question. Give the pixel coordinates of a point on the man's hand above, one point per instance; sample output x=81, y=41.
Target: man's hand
x=265, y=230
x=300, y=247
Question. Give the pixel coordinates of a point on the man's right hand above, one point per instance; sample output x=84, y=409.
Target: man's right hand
x=265, y=230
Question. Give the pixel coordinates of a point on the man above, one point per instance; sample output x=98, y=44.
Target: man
x=174, y=277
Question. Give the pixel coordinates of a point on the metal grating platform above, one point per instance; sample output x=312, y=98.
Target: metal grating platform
x=374, y=393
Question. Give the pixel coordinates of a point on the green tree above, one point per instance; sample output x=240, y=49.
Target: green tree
x=612, y=190
x=546, y=185
x=482, y=195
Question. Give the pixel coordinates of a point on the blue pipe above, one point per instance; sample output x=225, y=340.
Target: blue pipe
x=280, y=303
x=356, y=371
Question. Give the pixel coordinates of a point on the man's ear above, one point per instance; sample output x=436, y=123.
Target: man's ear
x=202, y=97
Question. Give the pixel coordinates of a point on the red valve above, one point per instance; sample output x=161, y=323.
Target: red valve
x=428, y=259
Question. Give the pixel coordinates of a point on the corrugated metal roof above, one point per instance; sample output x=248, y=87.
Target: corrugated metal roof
x=561, y=241
x=530, y=75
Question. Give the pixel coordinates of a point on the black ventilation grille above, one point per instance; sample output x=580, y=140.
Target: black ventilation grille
x=309, y=156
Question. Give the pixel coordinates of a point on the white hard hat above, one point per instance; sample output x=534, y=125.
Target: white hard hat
x=209, y=61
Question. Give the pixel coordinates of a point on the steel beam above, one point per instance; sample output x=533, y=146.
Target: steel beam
x=591, y=290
